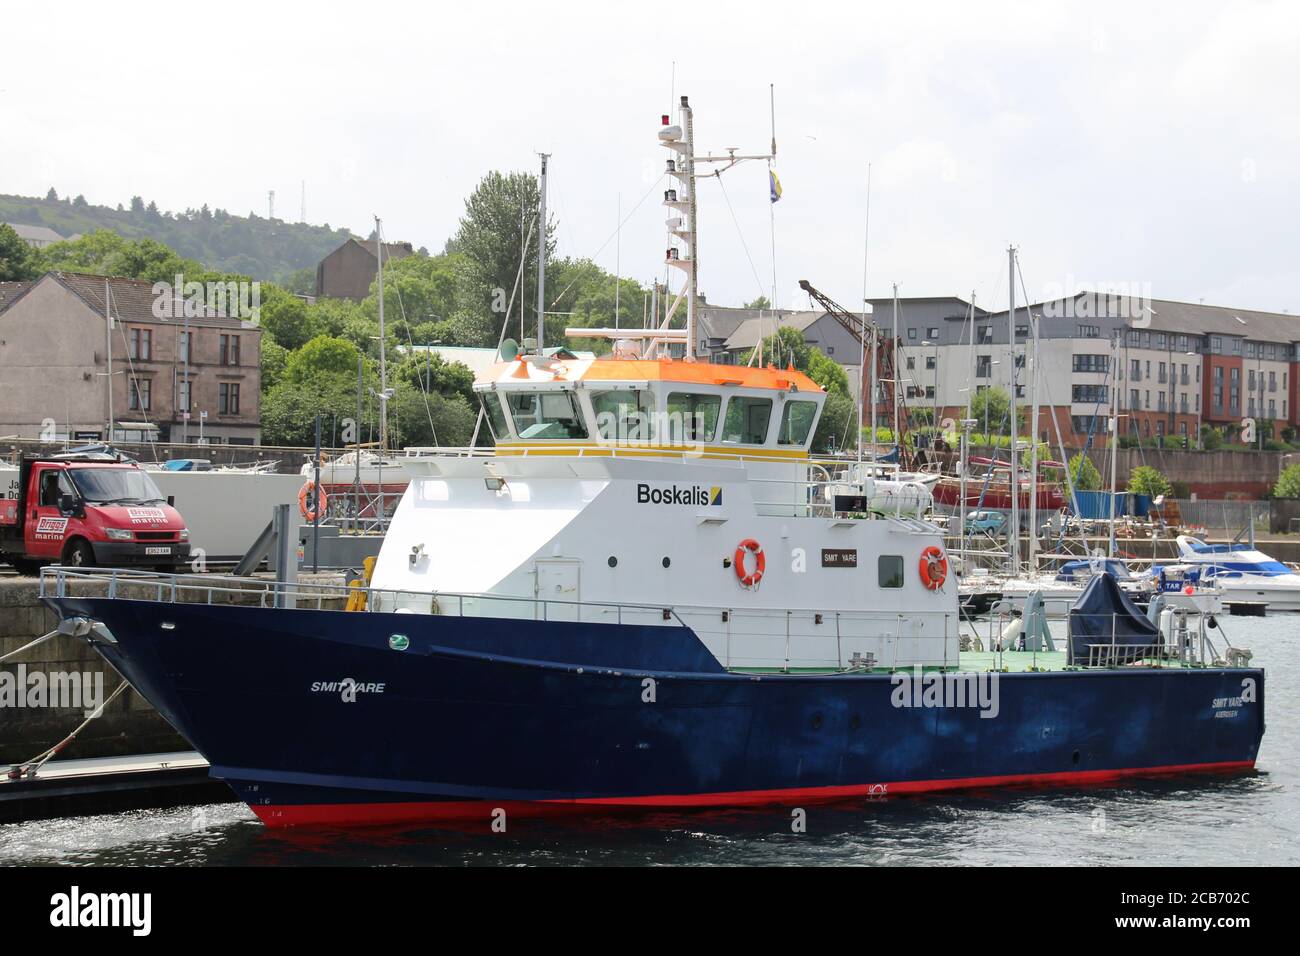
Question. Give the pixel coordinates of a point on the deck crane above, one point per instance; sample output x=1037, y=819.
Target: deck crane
x=861, y=328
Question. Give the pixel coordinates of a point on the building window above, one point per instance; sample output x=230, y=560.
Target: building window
x=1160, y=340
x=986, y=335
x=1182, y=343
x=911, y=363
x=228, y=398
x=983, y=366
x=1162, y=373
x=185, y=392
x=1134, y=399
x=1022, y=331
x=1091, y=363
x=911, y=335
x=932, y=334
x=1272, y=408
x=140, y=345
x=1088, y=331
x=929, y=362
x=228, y=352
x=141, y=394
x=929, y=391
x=183, y=347
x=1135, y=373
x=1236, y=346
x=1216, y=344
x=1272, y=381
x=1088, y=393
x=1234, y=391
x=1161, y=401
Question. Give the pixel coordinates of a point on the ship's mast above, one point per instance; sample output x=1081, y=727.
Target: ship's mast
x=682, y=229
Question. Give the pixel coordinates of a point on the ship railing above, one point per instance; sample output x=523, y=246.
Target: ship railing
x=172, y=588
x=780, y=639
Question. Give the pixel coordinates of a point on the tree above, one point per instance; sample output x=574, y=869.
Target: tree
x=1288, y=483
x=491, y=235
x=993, y=405
x=323, y=356
x=51, y=196
x=18, y=262
x=1084, y=474
x=1145, y=480
x=760, y=303
x=784, y=347
x=828, y=373
x=835, y=424
x=429, y=372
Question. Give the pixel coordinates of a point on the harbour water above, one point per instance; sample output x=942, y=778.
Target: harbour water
x=1246, y=820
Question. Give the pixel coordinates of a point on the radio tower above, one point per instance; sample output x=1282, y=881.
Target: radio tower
x=270, y=202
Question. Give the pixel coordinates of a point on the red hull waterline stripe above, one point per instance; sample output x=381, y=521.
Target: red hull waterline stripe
x=380, y=813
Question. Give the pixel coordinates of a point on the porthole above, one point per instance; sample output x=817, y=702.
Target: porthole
x=613, y=561
x=667, y=562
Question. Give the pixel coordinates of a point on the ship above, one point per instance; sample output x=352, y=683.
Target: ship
x=649, y=593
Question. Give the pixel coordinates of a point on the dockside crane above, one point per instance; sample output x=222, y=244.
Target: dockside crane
x=862, y=328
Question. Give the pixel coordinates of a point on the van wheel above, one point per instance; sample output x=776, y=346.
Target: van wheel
x=79, y=554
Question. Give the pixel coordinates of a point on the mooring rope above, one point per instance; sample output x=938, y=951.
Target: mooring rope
x=30, y=767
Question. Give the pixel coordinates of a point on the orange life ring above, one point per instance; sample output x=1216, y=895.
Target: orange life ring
x=304, y=493
x=750, y=578
x=934, y=568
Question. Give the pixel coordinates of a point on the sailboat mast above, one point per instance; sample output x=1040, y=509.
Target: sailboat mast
x=383, y=358
x=893, y=345
x=541, y=253
x=1014, y=530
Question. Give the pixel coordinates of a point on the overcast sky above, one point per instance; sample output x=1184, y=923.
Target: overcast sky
x=1156, y=144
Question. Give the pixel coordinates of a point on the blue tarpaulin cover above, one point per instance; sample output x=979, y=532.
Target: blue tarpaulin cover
x=1105, y=615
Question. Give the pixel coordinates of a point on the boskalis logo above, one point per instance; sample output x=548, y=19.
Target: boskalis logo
x=696, y=496
x=347, y=688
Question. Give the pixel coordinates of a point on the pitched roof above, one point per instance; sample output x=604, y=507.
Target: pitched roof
x=132, y=300
x=392, y=250
x=34, y=233
x=749, y=332
x=10, y=291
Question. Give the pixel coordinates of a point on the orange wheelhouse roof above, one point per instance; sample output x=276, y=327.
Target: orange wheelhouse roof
x=653, y=370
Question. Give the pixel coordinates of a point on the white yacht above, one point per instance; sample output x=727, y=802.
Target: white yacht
x=1243, y=573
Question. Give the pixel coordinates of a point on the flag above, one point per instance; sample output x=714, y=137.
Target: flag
x=775, y=184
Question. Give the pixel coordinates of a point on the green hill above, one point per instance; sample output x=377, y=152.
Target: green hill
x=269, y=249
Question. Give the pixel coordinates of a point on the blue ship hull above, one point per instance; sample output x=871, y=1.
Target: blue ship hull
x=316, y=717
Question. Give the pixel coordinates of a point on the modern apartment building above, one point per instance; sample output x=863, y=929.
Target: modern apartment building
x=1176, y=366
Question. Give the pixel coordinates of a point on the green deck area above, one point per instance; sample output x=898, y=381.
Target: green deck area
x=1009, y=662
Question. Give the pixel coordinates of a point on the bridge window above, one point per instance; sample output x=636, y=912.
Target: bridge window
x=796, y=423
x=546, y=415
x=747, y=420
x=693, y=417
x=624, y=414
x=495, y=416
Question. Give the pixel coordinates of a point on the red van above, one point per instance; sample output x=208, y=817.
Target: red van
x=93, y=510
